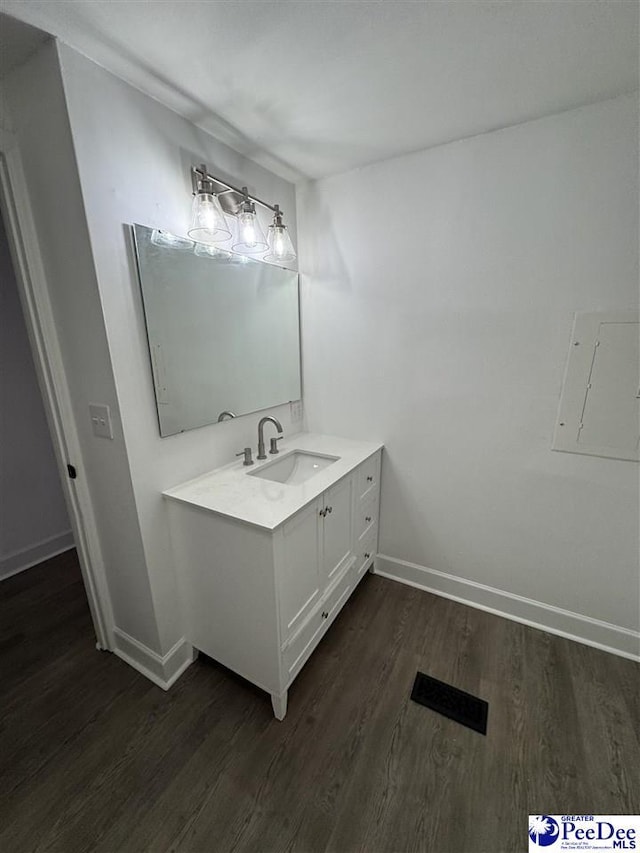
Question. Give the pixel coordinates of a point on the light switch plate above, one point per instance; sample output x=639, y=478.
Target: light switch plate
x=100, y=415
x=295, y=410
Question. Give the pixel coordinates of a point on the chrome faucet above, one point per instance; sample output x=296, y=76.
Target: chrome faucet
x=278, y=426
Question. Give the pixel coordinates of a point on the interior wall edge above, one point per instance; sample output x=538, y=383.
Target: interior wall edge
x=152, y=136
x=38, y=102
x=162, y=670
x=614, y=639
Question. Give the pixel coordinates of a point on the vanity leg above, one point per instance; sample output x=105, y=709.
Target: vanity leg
x=279, y=703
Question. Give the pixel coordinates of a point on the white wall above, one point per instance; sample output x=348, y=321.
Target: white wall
x=33, y=516
x=34, y=97
x=438, y=294
x=134, y=157
x=441, y=330
x=98, y=156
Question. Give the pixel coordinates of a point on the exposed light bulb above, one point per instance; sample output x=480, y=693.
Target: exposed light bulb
x=248, y=228
x=208, y=224
x=250, y=239
x=280, y=246
x=206, y=212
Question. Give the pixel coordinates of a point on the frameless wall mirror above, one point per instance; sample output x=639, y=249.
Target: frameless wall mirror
x=223, y=331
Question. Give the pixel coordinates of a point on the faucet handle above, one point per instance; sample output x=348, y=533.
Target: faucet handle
x=274, y=443
x=247, y=456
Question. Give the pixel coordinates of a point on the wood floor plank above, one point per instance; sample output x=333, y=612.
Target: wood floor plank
x=39, y=581
x=93, y=757
x=54, y=710
x=609, y=744
x=625, y=673
x=554, y=758
x=58, y=631
x=148, y=760
x=503, y=768
x=161, y=822
x=376, y=785
x=325, y=746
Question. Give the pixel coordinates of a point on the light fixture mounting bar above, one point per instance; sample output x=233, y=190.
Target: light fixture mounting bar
x=202, y=174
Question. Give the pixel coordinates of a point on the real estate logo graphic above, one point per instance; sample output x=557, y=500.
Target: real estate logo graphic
x=543, y=830
x=583, y=832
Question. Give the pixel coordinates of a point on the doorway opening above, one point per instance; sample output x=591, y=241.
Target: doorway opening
x=46, y=505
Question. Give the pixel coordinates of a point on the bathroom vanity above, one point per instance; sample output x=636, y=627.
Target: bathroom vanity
x=268, y=554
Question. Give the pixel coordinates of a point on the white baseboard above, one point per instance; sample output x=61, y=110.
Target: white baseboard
x=163, y=670
x=25, y=558
x=546, y=617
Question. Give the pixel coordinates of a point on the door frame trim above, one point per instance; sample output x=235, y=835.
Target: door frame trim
x=47, y=355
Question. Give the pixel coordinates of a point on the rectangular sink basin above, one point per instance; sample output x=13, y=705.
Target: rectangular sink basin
x=296, y=467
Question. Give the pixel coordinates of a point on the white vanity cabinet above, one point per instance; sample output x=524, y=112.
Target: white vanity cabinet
x=259, y=600
x=311, y=550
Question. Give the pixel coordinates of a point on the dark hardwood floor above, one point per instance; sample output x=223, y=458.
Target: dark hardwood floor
x=93, y=757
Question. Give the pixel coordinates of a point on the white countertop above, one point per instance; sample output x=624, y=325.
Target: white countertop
x=231, y=492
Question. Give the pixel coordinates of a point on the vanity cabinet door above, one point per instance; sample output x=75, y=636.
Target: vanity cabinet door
x=337, y=535
x=298, y=568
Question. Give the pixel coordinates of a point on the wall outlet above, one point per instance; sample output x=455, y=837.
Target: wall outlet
x=295, y=407
x=100, y=415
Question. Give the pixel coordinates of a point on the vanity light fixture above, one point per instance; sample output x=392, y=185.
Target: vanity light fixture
x=250, y=239
x=208, y=224
x=280, y=245
x=219, y=206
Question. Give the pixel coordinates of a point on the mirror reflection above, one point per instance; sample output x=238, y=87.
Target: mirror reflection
x=223, y=331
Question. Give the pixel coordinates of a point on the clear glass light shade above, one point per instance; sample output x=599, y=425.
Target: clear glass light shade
x=250, y=238
x=208, y=224
x=171, y=241
x=210, y=250
x=280, y=246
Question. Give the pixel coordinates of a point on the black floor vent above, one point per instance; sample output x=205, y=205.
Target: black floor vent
x=451, y=702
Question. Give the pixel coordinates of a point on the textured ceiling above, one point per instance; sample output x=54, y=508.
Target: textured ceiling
x=315, y=88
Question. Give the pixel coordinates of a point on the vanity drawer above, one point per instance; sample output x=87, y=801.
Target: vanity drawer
x=366, y=552
x=366, y=516
x=338, y=594
x=304, y=642
x=369, y=477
